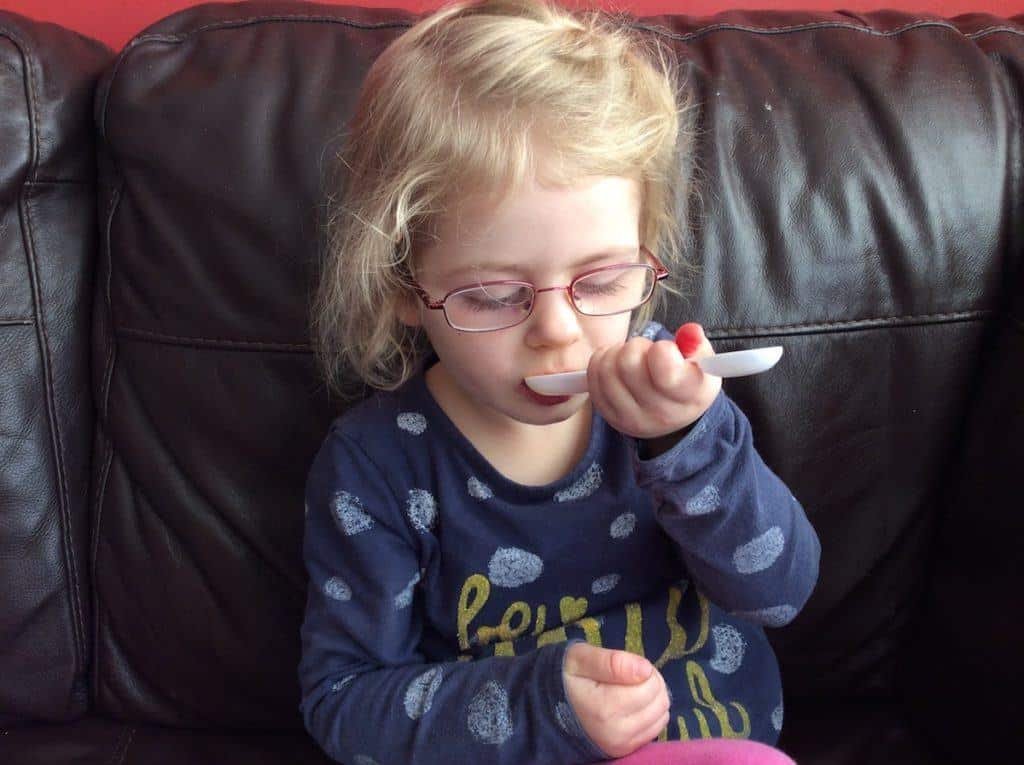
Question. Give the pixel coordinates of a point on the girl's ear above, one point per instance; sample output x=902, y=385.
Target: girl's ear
x=407, y=309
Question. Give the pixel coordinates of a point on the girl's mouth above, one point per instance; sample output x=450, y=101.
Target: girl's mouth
x=541, y=399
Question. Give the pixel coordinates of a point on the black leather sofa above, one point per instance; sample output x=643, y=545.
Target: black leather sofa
x=861, y=202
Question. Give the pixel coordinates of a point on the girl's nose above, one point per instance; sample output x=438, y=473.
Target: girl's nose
x=554, y=320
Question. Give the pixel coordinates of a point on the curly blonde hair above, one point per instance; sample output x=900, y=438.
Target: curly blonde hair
x=462, y=104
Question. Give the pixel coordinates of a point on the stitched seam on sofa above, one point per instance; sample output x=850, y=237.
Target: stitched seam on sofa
x=57, y=182
x=109, y=456
x=994, y=30
x=57, y=442
x=13, y=321
x=255, y=345
x=855, y=324
x=28, y=78
x=68, y=552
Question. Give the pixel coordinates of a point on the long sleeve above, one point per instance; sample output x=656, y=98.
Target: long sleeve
x=741, y=532
x=368, y=693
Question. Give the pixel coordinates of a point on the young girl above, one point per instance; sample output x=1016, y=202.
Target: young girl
x=495, y=575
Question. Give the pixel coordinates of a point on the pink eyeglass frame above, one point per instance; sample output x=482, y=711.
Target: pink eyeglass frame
x=660, y=272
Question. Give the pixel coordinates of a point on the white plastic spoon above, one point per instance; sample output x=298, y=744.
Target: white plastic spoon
x=733, y=364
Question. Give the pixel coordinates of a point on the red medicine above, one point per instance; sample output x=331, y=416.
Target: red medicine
x=688, y=338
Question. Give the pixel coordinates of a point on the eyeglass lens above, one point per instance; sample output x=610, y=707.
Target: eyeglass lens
x=497, y=306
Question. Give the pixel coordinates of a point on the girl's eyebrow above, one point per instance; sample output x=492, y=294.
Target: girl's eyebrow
x=626, y=250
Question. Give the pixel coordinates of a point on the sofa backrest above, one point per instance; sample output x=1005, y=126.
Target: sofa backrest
x=48, y=242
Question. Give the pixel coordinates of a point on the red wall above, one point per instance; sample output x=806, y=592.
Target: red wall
x=116, y=21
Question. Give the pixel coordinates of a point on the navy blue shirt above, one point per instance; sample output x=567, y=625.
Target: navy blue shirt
x=442, y=595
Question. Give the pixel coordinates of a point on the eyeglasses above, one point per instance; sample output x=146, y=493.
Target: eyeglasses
x=605, y=291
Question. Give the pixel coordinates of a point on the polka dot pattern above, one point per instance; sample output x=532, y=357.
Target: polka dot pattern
x=337, y=685
x=605, y=584
x=623, y=526
x=777, y=715
x=478, y=489
x=349, y=514
x=759, y=553
x=337, y=588
x=490, y=718
x=420, y=693
x=729, y=648
x=707, y=500
x=404, y=598
x=775, y=616
x=587, y=484
x=412, y=422
x=513, y=567
x=421, y=507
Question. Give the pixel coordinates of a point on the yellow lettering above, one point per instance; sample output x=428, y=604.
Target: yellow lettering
x=504, y=648
x=634, y=629
x=573, y=611
x=676, y=648
x=475, y=591
x=542, y=613
x=684, y=733
x=505, y=631
x=700, y=689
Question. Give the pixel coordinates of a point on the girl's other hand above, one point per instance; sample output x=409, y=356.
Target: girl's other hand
x=649, y=389
x=619, y=698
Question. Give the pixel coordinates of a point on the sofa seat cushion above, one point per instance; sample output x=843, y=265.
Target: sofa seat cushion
x=101, y=741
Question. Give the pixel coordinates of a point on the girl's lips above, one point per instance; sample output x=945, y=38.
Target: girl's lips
x=541, y=399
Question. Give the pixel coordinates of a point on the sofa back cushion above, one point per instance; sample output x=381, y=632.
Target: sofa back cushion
x=48, y=244
x=854, y=193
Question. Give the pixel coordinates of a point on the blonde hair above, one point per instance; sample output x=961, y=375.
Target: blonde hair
x=461, y=104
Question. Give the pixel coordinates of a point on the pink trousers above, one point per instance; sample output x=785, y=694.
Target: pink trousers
x=706, y=751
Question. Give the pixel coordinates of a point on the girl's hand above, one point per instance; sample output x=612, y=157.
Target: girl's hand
x=648, y=389
x=619, y=698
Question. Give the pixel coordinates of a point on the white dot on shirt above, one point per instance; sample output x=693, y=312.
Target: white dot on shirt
x=760, y=552
x=337, y=588
x=729, y=648
x=404, y=598
x=513, y=567
x=489, y=718
x=478, y=489
x=586, y=485
x=421, y=508
x=420, y=693
x=412, y=422
x=339, y=684
x=777, y=717
x=623, y=526
x=774, y=616
x=363, y=759
x=604, y=584
x=349, y=514
x=703, y=502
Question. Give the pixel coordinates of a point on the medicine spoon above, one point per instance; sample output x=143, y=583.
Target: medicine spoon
x=733, y=364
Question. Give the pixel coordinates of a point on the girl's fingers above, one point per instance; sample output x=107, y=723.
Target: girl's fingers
x=633, y=374
x=671, y=375
x=638, y=700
